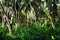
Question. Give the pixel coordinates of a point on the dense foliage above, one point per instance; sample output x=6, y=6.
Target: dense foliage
x=31, y=32
x=29, y=20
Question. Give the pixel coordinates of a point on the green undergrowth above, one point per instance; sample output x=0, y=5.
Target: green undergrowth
x=30, y=32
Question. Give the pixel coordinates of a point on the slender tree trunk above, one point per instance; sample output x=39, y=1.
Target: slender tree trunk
x=26, y=18
x=36, y=13
x=53, y=10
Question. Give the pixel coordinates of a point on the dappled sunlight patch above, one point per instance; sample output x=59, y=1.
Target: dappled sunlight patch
x=52, y=37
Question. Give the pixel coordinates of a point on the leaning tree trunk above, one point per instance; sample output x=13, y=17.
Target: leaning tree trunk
x=5, y=18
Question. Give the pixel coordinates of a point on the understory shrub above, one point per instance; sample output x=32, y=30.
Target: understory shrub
x=30, y=32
